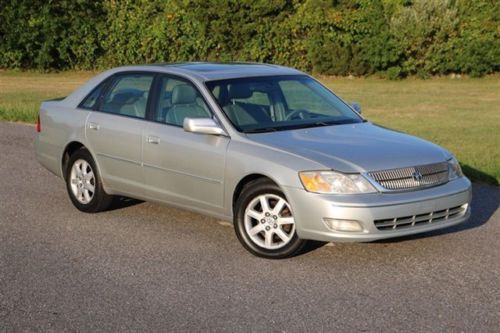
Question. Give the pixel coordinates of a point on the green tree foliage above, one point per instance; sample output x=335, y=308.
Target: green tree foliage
x=349, y=37
x=338, y=37
x=51, y=34
x=422, y=32
x=476, y=50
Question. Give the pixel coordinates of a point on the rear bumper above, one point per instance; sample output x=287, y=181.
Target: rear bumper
x=310, y=211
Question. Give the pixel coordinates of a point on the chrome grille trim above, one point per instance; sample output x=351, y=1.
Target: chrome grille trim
x=403, y=178
x=420, y=219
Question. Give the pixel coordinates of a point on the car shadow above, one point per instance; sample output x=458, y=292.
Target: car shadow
x=478, y=175
x=123, y=202
x=311, y=246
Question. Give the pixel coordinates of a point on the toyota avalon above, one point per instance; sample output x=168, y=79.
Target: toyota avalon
x=266, y=147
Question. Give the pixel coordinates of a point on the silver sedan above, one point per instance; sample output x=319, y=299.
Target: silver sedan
x=263, y=146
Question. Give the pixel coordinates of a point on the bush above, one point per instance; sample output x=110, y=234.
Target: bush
x=394, y=73
x=476, y=50
x=49, y=35
x=147, y=32
x=422, y=31
x=337, y=37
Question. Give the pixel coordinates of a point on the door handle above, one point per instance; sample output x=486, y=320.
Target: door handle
x=94, y=126
x=153, y=140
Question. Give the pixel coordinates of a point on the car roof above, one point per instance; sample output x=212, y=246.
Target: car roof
x=208, y=71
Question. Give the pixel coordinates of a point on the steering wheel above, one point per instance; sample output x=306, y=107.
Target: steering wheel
x=302, y=114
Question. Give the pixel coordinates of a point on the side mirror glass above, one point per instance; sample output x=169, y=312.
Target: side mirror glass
x=203, y=126
x=356, y=107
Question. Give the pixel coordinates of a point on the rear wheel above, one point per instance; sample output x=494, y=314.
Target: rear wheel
x=264, y=221
x=84, y=184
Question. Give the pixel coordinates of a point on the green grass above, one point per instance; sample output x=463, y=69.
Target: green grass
x=22, y=92
x=462, y=115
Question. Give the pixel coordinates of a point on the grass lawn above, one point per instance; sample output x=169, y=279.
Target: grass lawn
x=462, y=115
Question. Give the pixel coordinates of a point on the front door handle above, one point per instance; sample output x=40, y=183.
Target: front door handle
x=153, y=140
x=94, y=126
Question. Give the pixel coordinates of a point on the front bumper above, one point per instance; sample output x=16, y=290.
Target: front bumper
x=310, y=210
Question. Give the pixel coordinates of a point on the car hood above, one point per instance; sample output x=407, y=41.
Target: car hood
x=354, y=147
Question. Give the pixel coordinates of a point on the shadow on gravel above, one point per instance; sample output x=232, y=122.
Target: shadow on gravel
x=123, y=202
x=478, y=175
x=310, y=246
x=485, y=202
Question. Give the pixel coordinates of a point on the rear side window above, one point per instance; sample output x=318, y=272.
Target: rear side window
x=128, y=95
x=90, y=102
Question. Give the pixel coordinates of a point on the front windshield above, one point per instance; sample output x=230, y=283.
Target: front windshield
x=274, y=103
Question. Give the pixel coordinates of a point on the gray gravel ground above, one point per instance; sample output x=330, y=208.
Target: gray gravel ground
x=147, y=267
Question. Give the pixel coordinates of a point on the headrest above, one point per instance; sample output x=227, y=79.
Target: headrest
x=183, y=94
x=239, y=91
x=126, y=96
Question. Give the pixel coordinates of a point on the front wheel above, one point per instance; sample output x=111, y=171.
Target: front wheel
x=264, y=221
x=84, y=184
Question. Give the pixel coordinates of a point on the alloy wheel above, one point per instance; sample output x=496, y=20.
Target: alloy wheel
x=82, y=181
x=269, y=221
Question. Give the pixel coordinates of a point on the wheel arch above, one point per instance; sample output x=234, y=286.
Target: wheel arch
x=69, y=150
x=244, y=182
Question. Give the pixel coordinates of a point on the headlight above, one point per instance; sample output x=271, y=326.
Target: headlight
x=335, y=182
x=454, y=170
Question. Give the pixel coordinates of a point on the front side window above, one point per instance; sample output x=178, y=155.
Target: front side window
x=128, y=95
x=274, y=103
x=179, y=99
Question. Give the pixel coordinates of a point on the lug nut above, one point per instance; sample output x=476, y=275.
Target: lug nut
x=275, y=217
x=262, y=221
x=268, y=228
x=275, y=226
x=267, y=214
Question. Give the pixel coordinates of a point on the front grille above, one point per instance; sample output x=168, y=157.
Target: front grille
x=420, y=219
x=412, y=177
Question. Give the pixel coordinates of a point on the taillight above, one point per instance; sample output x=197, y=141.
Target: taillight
x=38, y=125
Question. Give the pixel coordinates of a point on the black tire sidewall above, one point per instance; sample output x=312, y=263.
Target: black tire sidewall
x=251, y=191
x=101, y=199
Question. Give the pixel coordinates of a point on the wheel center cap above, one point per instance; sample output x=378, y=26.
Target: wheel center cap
x=269, y=220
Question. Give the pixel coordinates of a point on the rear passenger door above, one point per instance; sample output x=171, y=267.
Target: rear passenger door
x=181, y=167
x=114, y=130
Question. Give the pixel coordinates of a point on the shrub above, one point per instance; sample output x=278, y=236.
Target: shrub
x=49, y=35
x=338, y=37
x=394, y=73
x=476, y=50
x=422, y=31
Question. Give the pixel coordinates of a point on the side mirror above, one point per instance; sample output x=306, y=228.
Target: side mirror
x=356, y=107
x=203, y=126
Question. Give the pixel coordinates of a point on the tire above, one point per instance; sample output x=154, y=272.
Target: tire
x=267, y=232
x=84, y=184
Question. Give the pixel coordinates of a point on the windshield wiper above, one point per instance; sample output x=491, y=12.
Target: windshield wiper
x=315, y=124
x=261, y=130
x=290, y=127
x=322, y=123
